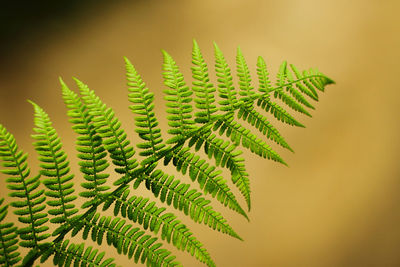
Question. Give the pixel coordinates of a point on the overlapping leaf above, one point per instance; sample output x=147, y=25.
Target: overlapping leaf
x=89, y=145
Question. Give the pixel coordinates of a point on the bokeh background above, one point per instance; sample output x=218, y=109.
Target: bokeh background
x=338, y=202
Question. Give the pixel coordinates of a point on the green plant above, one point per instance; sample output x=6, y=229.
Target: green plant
x=102, y=142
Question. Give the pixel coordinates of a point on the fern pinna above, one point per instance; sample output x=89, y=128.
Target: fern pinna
x=202, y=116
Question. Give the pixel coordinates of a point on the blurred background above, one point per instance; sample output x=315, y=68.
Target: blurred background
x=337, y=204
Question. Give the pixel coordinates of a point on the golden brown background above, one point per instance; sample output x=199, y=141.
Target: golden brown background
x=338, y=202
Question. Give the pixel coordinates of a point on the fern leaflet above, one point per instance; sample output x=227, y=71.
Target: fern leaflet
x=91, y=152
x=204, y=90
x=108, y=127
x=55, y=166
x=8, y=239
x=29, y=210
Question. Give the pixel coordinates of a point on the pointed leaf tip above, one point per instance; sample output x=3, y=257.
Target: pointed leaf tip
x=127, y=61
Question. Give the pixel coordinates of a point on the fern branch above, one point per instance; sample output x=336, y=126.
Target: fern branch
x=145, y=119
x=8, y=239
x=139, y=210
x=55, y=166
x=204, y=90
x=314, y=78
x=238, y=133
x=277, y=111
x=30, y=209
x=225, y=156
x=243, y=72
x=125, y=239
x=173, y=191
x=66, y=253
x=304, y=86
x=108, y=127
x=207, y=177
x=89, y=145
x=225, y=84
x=261, y=123
x=179, y=100
x=296, y=94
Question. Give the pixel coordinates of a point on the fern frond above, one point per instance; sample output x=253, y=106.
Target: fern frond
x=262, y=124
x=277, y=111
x=207, y=177
x=296, y=94
x=109, y=128
x=264, y=83
x=246, y=90
x=247, y=111
x=237, y=133
x=303, y=85
x=54, y=166
x=225, y=155
x=89, y=145
x=8, y=239
x=29, y=210
x=204, y=90
x=179, y=100
x=146, y=121
x=264, y=100
x=279, y=93
x=225, y=85
x=147, y=214
x=317, y=79
x=126, y=239
x=190, y=201
x=66, y=254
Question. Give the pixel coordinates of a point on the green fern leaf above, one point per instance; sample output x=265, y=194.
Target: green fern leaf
x=66, y=254
x=179, y=100
x=277, y=111
x=207, y=177
x=296, y=94
x=264, y=100
x=89, y=145
x=8, y=239
x=99, y=132
x=146, y=121
x=54, y=166
x=303, y=85
x=263, y=76
x=279, y=93
x=139, y=210
x=225, y=156
x=204, y=90
x=30, y=209
x=243, y=72
x=190, y=201
x=239, y=134
x=225, y=84
x=261, y=123
x=109, y=128
x=127, y=240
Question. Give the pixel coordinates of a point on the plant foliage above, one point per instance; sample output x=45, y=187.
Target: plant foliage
x=201, y=117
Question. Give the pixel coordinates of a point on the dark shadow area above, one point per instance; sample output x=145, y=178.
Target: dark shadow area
x=23, y=21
